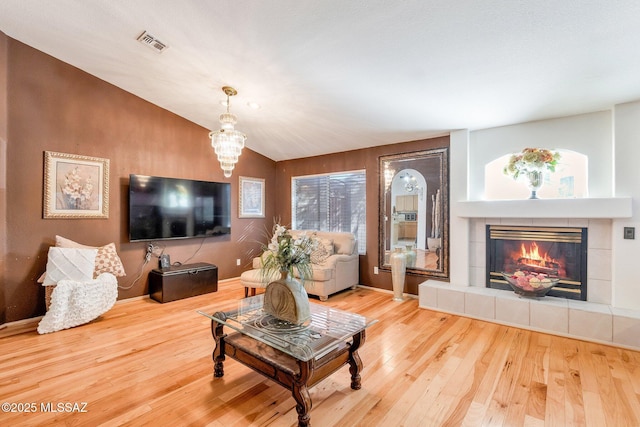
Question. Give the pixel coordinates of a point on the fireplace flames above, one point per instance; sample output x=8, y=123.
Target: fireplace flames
x=555, y=252
x=533, y=259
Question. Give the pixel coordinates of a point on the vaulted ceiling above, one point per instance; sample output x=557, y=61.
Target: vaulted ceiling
x=334, y=75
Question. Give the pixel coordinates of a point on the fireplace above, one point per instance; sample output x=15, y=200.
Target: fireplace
x=553, y=251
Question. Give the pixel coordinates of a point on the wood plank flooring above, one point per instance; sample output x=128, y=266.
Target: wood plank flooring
x=145, y=363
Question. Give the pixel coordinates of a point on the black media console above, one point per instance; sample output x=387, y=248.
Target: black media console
x=177, y=282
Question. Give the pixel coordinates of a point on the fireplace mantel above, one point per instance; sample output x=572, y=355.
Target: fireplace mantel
x=610, y=207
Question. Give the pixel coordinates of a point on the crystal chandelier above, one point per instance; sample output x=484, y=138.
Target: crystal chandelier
x=227, y=142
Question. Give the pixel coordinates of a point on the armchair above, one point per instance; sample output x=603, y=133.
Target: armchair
x=337, y=269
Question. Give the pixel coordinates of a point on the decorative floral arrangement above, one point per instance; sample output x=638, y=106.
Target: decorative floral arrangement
x=531, y=160
x=285, y=254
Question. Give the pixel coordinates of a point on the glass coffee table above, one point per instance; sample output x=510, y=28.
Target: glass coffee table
x=295, y=356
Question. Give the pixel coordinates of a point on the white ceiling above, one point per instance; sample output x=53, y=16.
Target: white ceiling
x=334, y=75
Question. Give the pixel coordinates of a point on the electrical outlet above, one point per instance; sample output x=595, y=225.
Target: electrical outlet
x=375, y=270
x=629, y=233
x=147, y=256
x=238, y=261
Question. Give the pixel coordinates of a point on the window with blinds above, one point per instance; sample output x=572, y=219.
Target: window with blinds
x=331, y=202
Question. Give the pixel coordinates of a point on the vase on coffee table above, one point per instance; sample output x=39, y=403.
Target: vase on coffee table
x=287, y=299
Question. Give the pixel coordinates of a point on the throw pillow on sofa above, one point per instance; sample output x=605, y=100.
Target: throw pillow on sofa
x=322, y=252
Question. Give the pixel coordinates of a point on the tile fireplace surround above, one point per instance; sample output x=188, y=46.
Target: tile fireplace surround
x=592, y=320
x=609, y=138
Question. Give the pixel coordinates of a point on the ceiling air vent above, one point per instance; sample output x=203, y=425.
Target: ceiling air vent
x=152, y=42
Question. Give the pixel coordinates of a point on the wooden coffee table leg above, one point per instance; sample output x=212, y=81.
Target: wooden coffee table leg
x=355, y=363
x=301, y=394
x=218, y=363
x=218, y=352
x=303, y=404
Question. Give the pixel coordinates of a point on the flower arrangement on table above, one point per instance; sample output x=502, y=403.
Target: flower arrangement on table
x=531, y=160
x=285, y=254
x=286, y=299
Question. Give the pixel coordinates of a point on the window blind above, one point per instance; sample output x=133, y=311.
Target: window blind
x=331, y=202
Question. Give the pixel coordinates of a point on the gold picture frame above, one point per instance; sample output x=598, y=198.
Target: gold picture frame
x=251, y=198
x=75, y=186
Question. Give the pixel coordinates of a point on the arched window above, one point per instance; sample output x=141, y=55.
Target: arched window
x=570, y=179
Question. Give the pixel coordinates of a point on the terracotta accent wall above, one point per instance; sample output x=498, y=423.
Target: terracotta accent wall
x=354, y=160
x=53, y=106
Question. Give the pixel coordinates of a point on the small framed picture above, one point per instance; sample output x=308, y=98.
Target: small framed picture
x=75, y=186
x=251, y=197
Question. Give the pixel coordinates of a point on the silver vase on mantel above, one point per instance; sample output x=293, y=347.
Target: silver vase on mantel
x=398, y=269
x=534, y=182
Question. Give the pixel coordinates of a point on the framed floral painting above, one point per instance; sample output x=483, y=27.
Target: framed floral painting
x=75, y=186
x=251, y=197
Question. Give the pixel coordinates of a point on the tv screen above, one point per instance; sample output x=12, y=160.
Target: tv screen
x=171, y=208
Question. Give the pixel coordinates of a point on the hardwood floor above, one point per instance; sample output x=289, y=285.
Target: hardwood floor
x=149, y=363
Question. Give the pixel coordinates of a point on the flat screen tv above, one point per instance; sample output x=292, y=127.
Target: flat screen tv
x=170, y=208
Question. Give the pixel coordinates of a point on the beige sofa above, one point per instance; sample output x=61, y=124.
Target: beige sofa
x=340, y=270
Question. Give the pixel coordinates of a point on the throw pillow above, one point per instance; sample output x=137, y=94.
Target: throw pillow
x=322, y=252
x=107, y=260
x=328, y=245
x=62, y=242
x=71, y=264
x=344, y=244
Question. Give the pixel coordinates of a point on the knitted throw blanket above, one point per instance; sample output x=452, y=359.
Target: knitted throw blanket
x=75, y=303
